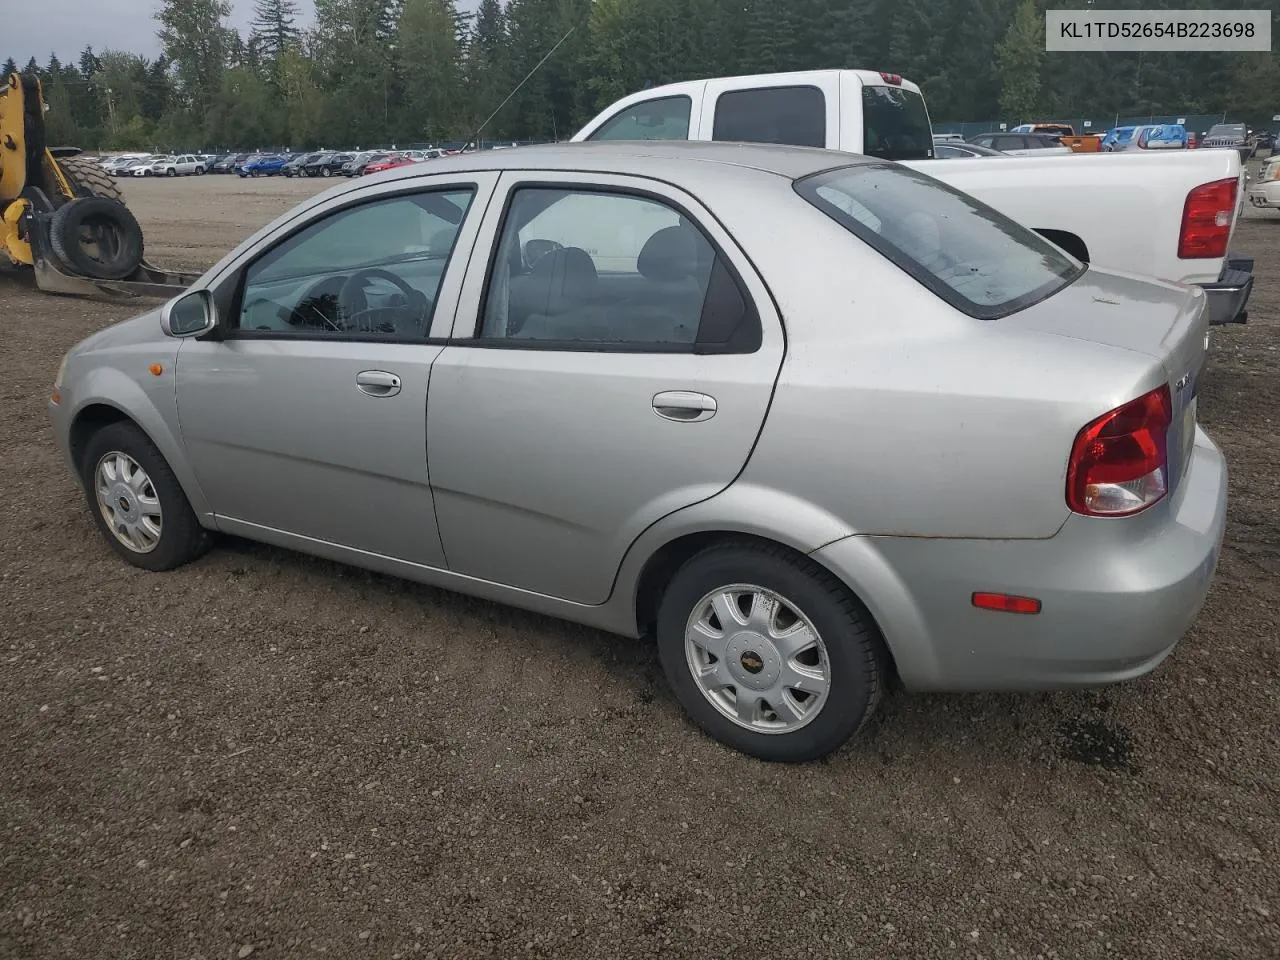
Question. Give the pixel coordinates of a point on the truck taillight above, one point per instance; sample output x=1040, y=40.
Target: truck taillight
x=894, y=78
x=1206, y=219
x=1120, y=462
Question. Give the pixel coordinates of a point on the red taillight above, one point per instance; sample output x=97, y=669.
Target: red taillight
x=1120, y=462
x=1006, y=603
x=894, y=78
x=1206, y=219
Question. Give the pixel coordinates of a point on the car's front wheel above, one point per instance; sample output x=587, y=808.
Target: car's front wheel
x=768, y=652
x=137, y=501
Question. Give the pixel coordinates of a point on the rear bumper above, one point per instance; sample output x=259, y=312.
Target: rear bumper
x=1265, y=195
x=1117, y=595
x=1230, y=295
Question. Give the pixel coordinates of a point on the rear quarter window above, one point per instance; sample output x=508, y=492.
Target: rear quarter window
x=791, y=115
x=970, y=255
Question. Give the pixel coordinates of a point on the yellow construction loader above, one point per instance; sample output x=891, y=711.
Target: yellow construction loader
x=61, y=216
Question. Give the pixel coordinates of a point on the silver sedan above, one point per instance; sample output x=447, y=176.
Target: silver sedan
x=815, y=421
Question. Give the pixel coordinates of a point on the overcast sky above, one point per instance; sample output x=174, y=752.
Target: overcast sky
x=41, y=27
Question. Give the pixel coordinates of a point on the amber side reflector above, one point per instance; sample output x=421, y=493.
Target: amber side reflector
x=156, y=369
x=1006, y=603
x=56, y=397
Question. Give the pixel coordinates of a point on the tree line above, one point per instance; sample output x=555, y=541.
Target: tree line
x=370, y=72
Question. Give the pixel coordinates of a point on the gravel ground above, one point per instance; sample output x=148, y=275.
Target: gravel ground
x=272, y=756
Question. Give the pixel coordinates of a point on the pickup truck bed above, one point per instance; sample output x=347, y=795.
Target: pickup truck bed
x=1121, y=211
x=1130, y=220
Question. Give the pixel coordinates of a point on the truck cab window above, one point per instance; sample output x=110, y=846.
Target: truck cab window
x=666, y=118
x=791, y=115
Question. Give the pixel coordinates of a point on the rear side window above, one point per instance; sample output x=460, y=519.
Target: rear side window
x=791, y=115
x=970, y=255
x=666, y=118
x=896, y=124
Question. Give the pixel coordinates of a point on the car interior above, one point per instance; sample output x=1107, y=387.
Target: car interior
x=644, y=282
x=296, y=288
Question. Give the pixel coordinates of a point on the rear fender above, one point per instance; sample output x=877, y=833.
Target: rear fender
x=743, y=509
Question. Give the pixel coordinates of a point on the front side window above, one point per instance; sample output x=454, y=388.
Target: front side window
x=591, y=268
x=970, y=255
x=370, y=271
x=791, y=115
x=896, y=124
x=666, y=118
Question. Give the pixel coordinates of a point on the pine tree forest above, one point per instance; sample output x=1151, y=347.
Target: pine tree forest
x=369, y=72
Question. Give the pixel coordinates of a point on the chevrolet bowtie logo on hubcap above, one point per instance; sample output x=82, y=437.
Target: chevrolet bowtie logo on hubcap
x=752, y=662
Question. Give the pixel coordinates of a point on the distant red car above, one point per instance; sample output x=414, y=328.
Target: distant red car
x=389, y=164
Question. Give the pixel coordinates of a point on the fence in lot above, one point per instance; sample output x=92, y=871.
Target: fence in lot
x=1198, y=123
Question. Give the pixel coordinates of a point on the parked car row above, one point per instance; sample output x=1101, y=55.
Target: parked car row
x=1060, y=138
x=320, y=163
x=162, y=165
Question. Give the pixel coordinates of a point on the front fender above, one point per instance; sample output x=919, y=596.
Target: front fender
x=154, y=409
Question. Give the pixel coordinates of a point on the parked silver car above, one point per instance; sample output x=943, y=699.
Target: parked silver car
x=814, y=419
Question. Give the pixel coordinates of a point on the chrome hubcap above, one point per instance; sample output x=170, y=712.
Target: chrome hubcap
x=128, y=502
x=757, y=658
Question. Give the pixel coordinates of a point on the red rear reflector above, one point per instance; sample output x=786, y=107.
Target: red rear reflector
x=894, y=78
x=1119, y=463
x=1206, y=220
x=1006, y=603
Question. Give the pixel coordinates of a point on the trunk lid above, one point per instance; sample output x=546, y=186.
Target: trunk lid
x=1167, y=322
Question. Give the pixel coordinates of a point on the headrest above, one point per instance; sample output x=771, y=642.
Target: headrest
x=442, y=242
x=562, y=279
x=671, y=254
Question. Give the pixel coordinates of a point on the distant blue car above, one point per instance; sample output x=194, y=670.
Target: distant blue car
x=264, y=167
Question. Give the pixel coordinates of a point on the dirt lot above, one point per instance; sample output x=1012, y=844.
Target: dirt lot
x=269, y=755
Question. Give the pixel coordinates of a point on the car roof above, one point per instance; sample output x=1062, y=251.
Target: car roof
x=651, y=157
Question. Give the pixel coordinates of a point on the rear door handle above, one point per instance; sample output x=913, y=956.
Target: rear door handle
x=377, y=383
x=684, y=406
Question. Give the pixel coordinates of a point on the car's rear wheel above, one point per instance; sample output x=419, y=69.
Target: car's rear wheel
x=326, y=172
x=137, y=501
x=768, y=652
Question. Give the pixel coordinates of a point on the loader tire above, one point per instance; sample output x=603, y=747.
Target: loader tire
x=87, y=175
x=96, y=237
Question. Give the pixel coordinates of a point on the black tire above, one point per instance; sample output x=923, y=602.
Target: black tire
x=171, y=172
x=117, y=233
x=87, y=175
x=856, y=655
x=326, y=172
x=182, y=539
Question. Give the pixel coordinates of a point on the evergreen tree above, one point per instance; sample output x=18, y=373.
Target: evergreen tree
x=275, y=26
x=194, y=37
x=1019, y=55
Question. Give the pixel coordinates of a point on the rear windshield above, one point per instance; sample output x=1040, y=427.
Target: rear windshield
x=896, y=124
x=975, y=258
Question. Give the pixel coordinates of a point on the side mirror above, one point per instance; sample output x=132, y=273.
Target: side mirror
x=189, y=315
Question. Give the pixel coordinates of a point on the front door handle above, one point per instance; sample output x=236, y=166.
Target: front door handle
x=684, y=406
x=377, y=383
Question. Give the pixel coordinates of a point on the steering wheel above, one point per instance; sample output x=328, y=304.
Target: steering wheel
x=353, y=304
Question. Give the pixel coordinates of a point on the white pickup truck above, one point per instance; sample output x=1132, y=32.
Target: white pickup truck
x=1167, y=214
